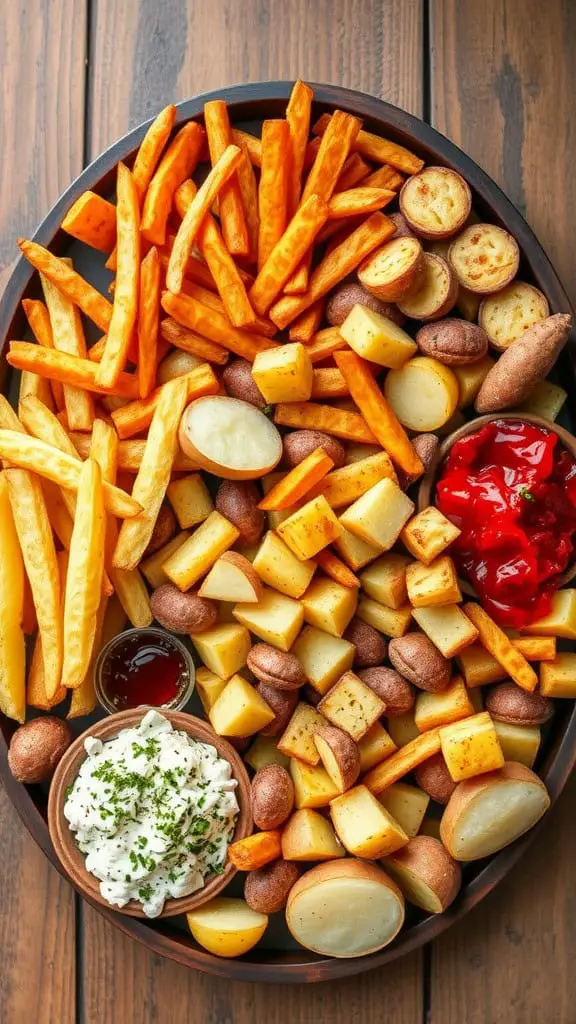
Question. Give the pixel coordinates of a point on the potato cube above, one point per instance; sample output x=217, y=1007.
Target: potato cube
x=310, y=528
x=307, y=835
x=284, y=373
x=276, y=619
x=190, y=500
x=345, y=485
x=264, y=751
x=329, y=606
x=403, y=729
x=546, y=399
x=391, y=621
x=470, y=379
x=209, y=686
x=313, y=787
x=428, y=534
x=239, y=710
x=357, y=452
x=297, y=740
x=363, y=826
x=152, y=567
x=375, y=746
x=352, y=706
x=434, y=584
x=519, y=742
x=275, y=518
x=379, y=515
x=478, y=666
x=377, y=338
x=385, y=580
x=450, y=705
x=561, y=619
x=224, y=648
x=197, y=555
x=447, y=627
x=558, y=677
x=355, y=552
x=323, y=657
x=471, y=747
x=277, y=566
x=407, y=805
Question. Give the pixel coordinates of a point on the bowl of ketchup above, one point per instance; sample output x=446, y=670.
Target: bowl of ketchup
x=508, y=482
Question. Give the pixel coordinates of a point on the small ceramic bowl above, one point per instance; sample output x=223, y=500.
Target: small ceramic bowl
x=155, y=637
x=63, y=840
x=428, y=481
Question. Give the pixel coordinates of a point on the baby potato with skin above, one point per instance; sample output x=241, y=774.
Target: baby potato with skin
x=507, y=314
x=435, y=294
x=436, y=202
x=485, y=258
x=390, y=272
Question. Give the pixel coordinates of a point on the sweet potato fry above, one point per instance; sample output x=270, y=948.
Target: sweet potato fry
x=377, y=413
x=232, y=217
x=258, y=324
x=38, y=387
x=253, y=145
x=178, y=163
x=288, y=253
x=13, y=660
x=110, y=621
x=151, y=148
x=298, y=118
x=96, y=351
x=255, y=851
x=337, y=570
x=92, y=220
x=148, y=321
x=500, y=647
x=335, y=267
x=309, y=416
x=214, y=325
x=154, y=475
x=328, y=383
x=133, y=418
x=273, y=188
x=39, y=319
x=403, y=761
x=188, y=341
x=67, y=281
x=347, y=484
x=60, y=366
x=213, y=185
x=292, y=487
x=311, y=153
x=249, y=194
x=305, y=327
x=384, y=177
x=359, y=200
x=325, y=343
x=68, y=336
x=130, y=455
x=354, y=171
x=381, y=151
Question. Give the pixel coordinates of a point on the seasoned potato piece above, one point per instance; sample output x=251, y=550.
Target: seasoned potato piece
x=284, y=374
x=339, y=755
x=423, y=394
x=363, y=826
x=323, y=657
x=436, y=293
x=436, y=202
x=447, y=627
x=239, y=710
x=484, y=258
x=507, y=314
x=470, y=379
x=277, y=566
x=297, y=740
x=428, y=534
x=309, y=836
x=450, y=705
x=313, y=787
x=355, y=551
x=407, y=805
x=560, y=620
x=377, y=338
x=385, y=580
x=471, y=747
x=310, y=528
x=329, y=606
x=378, y=516
x=395, y=269
x=352, y=706
x=276, y=619
x=375, y=746
x=433, y=584
x=519, y=742
x=392, y=622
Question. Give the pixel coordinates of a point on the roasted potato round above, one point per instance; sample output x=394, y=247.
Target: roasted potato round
x=507, y=314
x=392, y=271
x=435, y=294
x=485, y=258
x=182, y=613
x=436, y=202
x=436, y=388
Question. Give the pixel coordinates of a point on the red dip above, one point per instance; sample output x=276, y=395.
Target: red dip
x=510, y=487
x=144, y=669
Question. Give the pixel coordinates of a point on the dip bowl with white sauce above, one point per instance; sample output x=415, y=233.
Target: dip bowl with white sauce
x=142, y=809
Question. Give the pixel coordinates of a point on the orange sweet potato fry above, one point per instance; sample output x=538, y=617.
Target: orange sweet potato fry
x=332, y=566
x=259, y=324
x=298, y=118
x=232, y=217
x=151, y=148
x=96, y=351
x=325, y=343
x=500, y=647
x=188, y=341
x=354, y=171
x=148, y=320
x=359, y=200
x=273, y=188
x=373, y=147
x=384, y=177
x=249, y=193
x=309, y=416
x=177, y=164
x=253, y=145
x=311, y=153
x=70, y=283
x=402, y=761
x=306, y=326
x=92, y=220
x=214, y=325
x=67, y=369
x=292, y=487
x=256, y=850
x=136, y=416
x=377, y=413
x=328, y=383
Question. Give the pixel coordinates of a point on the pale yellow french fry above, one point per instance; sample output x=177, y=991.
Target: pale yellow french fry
x=36, y=695
x=12, y=644
x=43, y=424
x=60, y=519
x=32, y=384
x=111, y=620
x=68, y=336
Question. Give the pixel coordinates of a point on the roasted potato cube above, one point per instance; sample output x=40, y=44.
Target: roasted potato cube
x=428, y=534
x=561, y=619
x=264, y=751
x=239, y=710
x=385, y=580
x=363, y=826
x=352, y=706
x=284, y=373
x=478, y=666
x=558, y=677
x=355, y=552
x=447, y=627
x=323, y=657
x=345, y=485
x=297, y=740
x=276, y=619
x=277, y=566
x=407, y=805
x=519, y=742
x=198, y=554
x=471, y=747
x=209, y=686
x=307, y=835
x=391, y=621
x=403, y=729
x=546, y=400
x=375, y=746
x=152, y=567
x=224, y=648
x=329, y=606
x=313, y=787
x=190, y=500
x=379, y=515
x=358, y=452
x=434, y=584
x=450, y=705
x=377, y=338
x=310, y=528
x=470, y=379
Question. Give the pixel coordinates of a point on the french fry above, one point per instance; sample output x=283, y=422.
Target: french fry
x=384, y=177
x=377, y=413
x=130, y=455
x=296, y=484
x=133, y=418
x=38, y=317
x=373, y=147
x=67, y=281
x=148, y=320
x=154, y=475
x=96, y=351
x=188, y=341
x=332, y=566
x=44, y=425
x=110, y=621
x=12, y=645
x=84, y=576
x=92, y=220
x=232, y=217
x=273, y=188
x=213, y=185
x=328, y=383
x=249, y=194
x=60, y=519
x=334, y=267
x=305, y=327
x=150, y=149
x=178, y=163
x=288, y=253
x=325, y=343
x=214, y=325
x=359, y=200
x=311, y=152
x=60, y=366
x=354, y=171
x=38, y=387
x=500, y=647
x=403, y=761
x=36, y=695
x=253, y=145
x=345, y=485
x=536, y=648
x=298, y=118
x=258, y=324
x=29, y=623
x=68, y=336
x=309, y=416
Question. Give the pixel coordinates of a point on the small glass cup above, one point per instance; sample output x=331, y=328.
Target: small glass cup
x=157, y=638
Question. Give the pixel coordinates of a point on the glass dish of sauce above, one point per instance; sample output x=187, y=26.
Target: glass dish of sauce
x=144, y=667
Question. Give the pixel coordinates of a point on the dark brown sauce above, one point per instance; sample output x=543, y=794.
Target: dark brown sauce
x=144, y=670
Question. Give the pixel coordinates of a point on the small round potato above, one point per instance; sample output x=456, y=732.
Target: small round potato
x=371, y=647
x=434, y=778
x=239, y=383
x=426, y=873
x=299, y=444
x=182, y=613
x=339, y=755
x=507, y=314
x=37, y=747
x=436, y=202
x=453, y=342
x=394, y=270
x=507, y=702
x=416, y=658
x=350, y=294
x=164, y=530
x=266, y=890
x=423, y=394
x=272, y=797
x=485, y=258
x=396, y=692
x=436, y=293
x=237, y=500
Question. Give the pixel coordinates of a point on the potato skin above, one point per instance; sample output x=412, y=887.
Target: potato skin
x=164, y=530
x=416, y=658
x=371, y=647
x=237, y=500
x=400, y=282
x=427, y=859
x=396, y=692
x=272, y=797
x=239, y=383
x=403, y=229
x=282, y=703
x=299, y=444
x=443, y=295
x=345, y=296
x=37, y=747
x=507, y=702
x=266, y=890
x=434, y=778
x=279, y=669
x=182, y=613
x=344, y=751
x=453, y=342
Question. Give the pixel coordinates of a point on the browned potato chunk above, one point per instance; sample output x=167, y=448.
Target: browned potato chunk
x=507, y=314
x=485, y=258
x=436, y=293
x=339, y=755
x=426, y=873
x=348, y=295
x=395, y=269
x=436, y=202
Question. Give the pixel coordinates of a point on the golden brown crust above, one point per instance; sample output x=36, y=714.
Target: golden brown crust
x=371, y=647
x=425, y=862
x=394, y=270
x=436, y=293
x=37, y=747
x=266, y=890
x=485, y=258
x=396, y=692
x=272, y=797
x=348, y=295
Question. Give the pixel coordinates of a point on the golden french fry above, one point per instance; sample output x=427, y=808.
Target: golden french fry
x=232, y=217
x=12, y=645
x=306, y=326
x=84, y=577
x=500, y=647
x=39, y=387
x=68, y=336
x=249, y=194
x=355, y=201
x=110, y=621
x=133, y=418
x=178, y=163
x=253, y=145
x=259, y=324
x=71, y=284
x=148, y=320
x=60, y=519
x=188, y=341
x=36, y=695
x=354, y=171
x=43, y=424
x=38, y=317
x=215, y=326
x=154, y=475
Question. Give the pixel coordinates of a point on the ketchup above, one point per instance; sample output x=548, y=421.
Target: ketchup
x=510, y=487
x=144, y=667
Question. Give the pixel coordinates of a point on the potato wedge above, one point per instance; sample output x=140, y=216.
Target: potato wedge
x=309, y=836
x=377, y=338
x=339, y=755
x=426, y=874
x=485, y=258
x=232, y=578
x=209, y=431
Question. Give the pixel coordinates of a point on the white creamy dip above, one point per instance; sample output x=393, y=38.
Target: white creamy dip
x=154, y=812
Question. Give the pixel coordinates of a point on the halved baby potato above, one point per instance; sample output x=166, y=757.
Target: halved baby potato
x=423, y=394
x=436, y=202
x=339, y=755
x=436, y=293
x=426, y=873
x=232, y=578
x=507, y=314
x=226, y=926
x=395, y=269
x=485, y=258
x=230, y=438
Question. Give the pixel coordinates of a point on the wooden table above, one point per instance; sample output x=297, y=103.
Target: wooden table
x=497, y=76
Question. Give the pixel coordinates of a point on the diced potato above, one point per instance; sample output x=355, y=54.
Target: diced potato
x=558, y=677
x=297, y=740
x=363, y=826
x=310, y=528
x=307, y=835
x=284, y=373
x=434, y=584
x=391, y=621
x=190, y=500
x=355, y=552
x=471, y=747
x=232, y=578
x=470, y=379
x=385, y=580
x=379, y=515
x=403, y=729
x=561, y=619
x=313, y=787
x=375, y=746
x=275, y=518
x=345, y=485
x=224, y=648
x=264, y=751
x=276, y=619
x=546, y=399
x=478, y=666
x=209, y=686
x=152, y=567
x=357, y=452
x=428, y=534
x=323, y=657
x=239, y=710
x=408, y=757
x=377, y=338
x=450, y=705
x=519, y=742
x=198, y=554
x=447, y=627
x=277, y=566
x=407, y=805
x=329, y=606
x=352, y=706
